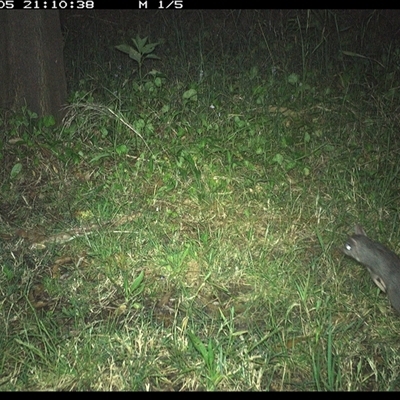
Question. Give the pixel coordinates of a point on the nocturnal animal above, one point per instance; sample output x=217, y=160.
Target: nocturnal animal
x=382, y=263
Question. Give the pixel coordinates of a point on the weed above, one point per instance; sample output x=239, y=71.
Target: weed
x=141, y=52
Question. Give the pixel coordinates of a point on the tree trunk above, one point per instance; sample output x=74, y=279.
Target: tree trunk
x=31, y=62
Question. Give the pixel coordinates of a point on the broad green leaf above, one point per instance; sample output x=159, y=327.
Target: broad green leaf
x=48, y=120
x=149, y=48
x=121, y=149
x=16, y=169
x=198, y=345
x=278, y=158
x=135, y=55
x=153, y=56
x=139, y=43
x=293, y=79
x=189, y=94
x=137, y=281
x=124, y=48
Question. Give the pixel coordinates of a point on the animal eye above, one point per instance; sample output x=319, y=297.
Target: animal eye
x=348, y=247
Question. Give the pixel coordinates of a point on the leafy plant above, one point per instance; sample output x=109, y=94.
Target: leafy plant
x=208, y=354
x=134, y=288
x=140, y=52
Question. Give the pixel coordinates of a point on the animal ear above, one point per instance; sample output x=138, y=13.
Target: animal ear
x=359, y=230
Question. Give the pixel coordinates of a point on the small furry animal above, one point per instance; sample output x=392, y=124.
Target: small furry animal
x=382, y=263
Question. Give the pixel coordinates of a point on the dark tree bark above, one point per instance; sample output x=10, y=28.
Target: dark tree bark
x=31, y=61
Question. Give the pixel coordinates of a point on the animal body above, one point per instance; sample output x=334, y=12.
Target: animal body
x=382, y=263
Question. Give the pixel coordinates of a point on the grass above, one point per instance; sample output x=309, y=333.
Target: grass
x=182, y=231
